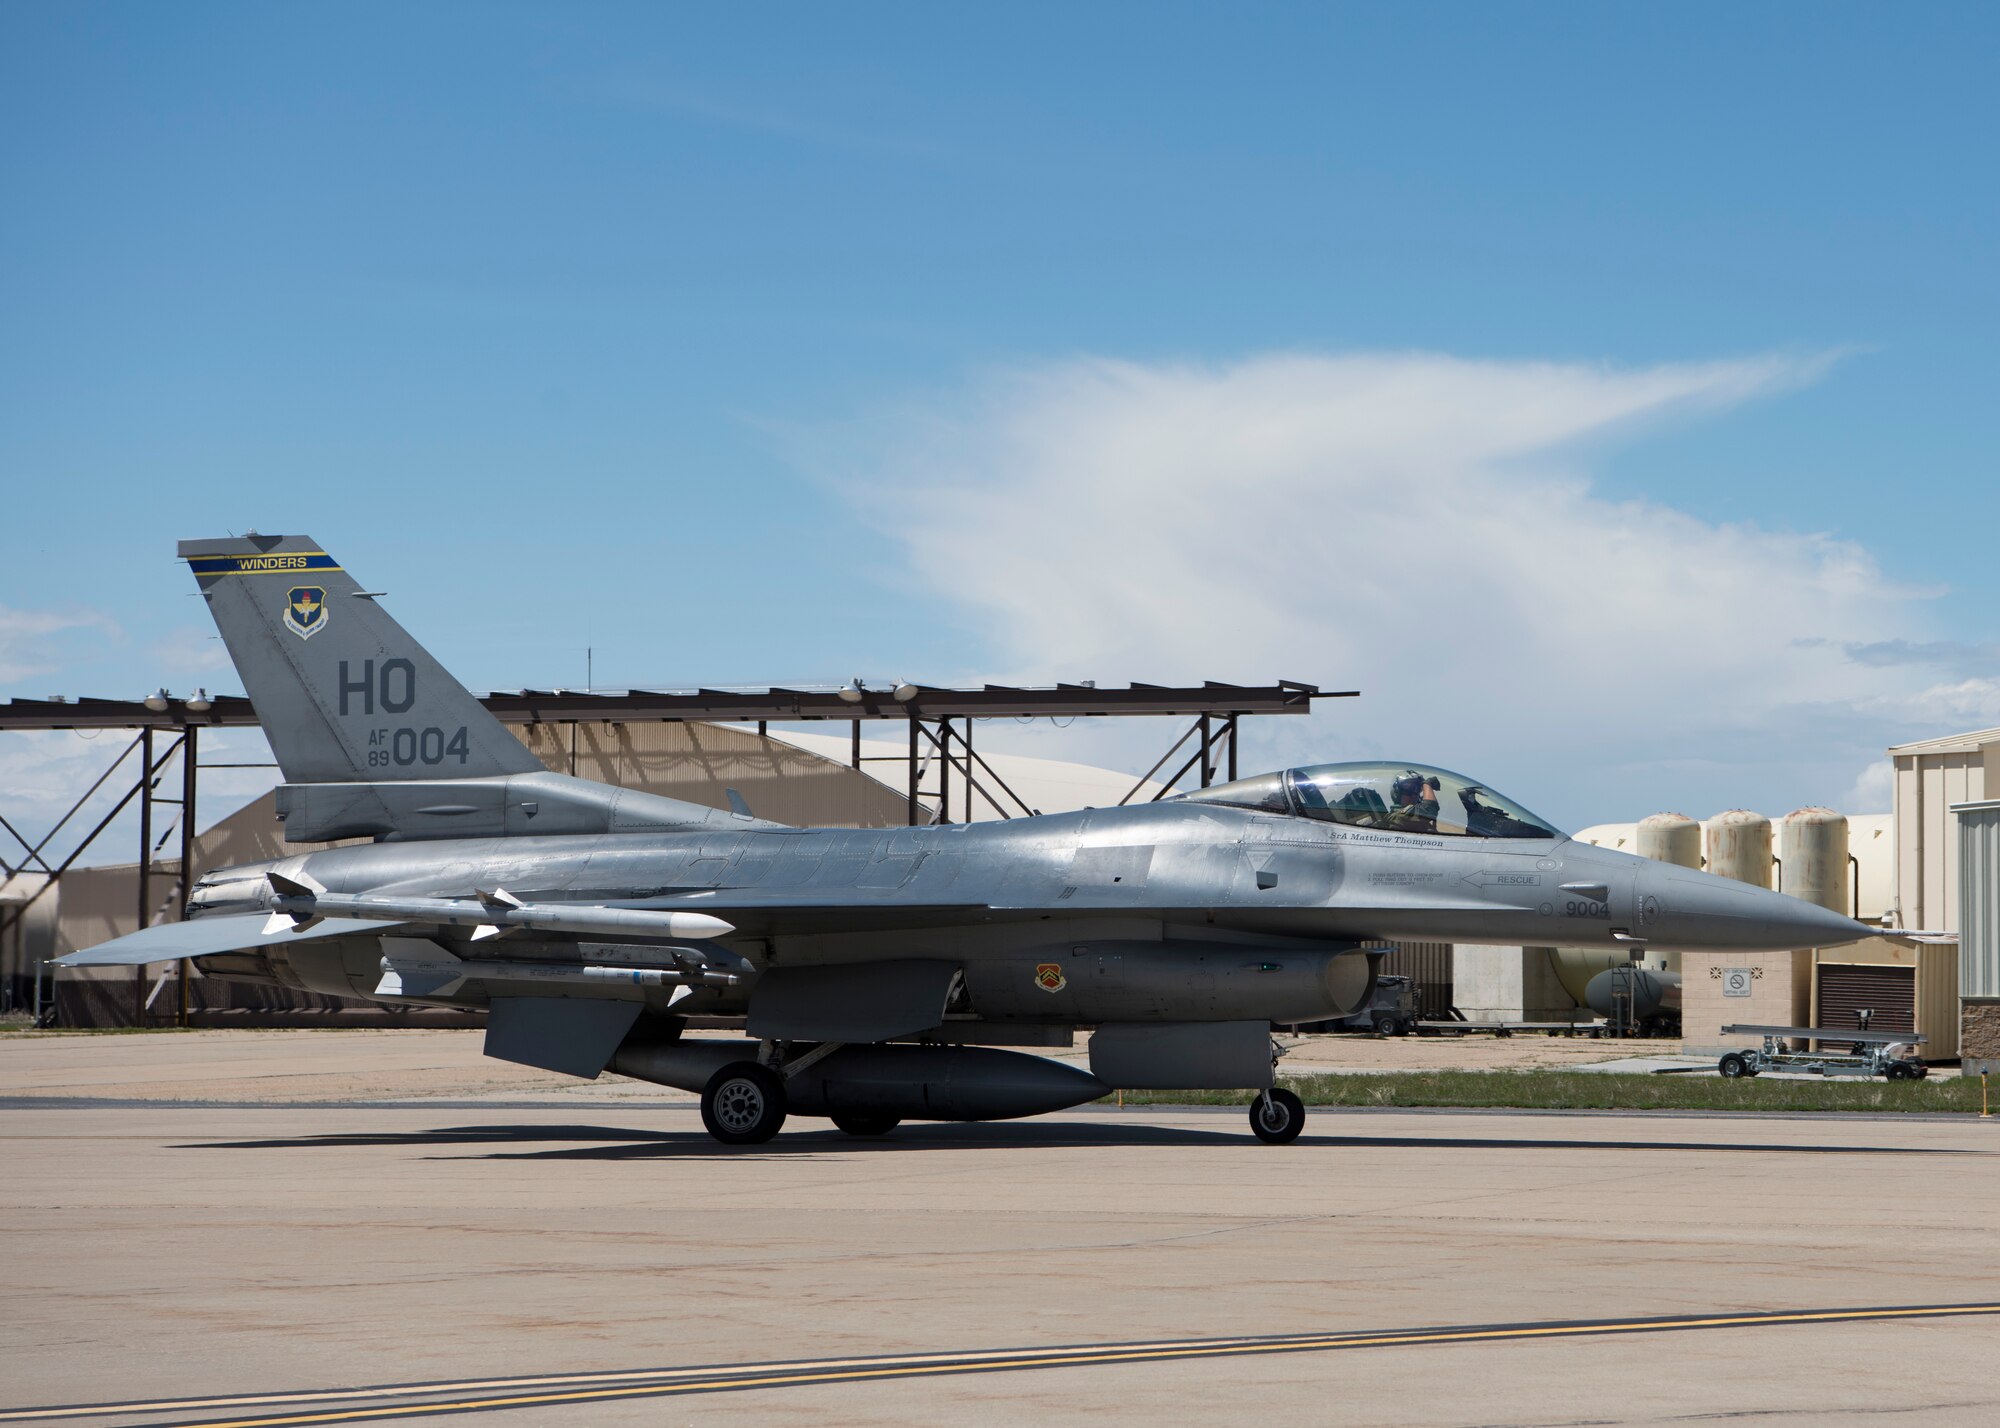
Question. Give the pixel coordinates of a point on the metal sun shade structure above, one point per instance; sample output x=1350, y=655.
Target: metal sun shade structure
x=940, y=724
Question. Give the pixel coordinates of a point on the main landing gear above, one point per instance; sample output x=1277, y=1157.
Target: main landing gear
x=743, y=1104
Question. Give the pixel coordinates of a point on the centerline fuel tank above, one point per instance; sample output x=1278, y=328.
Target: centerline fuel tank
x=918, y=1083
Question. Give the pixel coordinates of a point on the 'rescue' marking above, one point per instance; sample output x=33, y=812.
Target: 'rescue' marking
x=503, y=1393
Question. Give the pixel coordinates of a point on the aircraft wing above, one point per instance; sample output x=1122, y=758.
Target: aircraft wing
x=200, y=937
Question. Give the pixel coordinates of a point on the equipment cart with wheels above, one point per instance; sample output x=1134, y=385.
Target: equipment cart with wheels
x=1844, y=1053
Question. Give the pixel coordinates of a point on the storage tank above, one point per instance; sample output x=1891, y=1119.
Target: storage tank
x=1812, y=858
x=1655, y=996
x=1670, y=838
x=1739, y=846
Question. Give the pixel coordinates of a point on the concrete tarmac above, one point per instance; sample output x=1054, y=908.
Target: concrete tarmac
x=174, y=1254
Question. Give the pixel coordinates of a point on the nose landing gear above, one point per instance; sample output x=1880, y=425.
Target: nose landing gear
x=1277, y=1116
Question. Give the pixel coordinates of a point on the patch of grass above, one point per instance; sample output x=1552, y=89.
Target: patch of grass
x=1599, y=1090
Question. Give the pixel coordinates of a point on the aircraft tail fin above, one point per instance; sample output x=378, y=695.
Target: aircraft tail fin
x=343, y=692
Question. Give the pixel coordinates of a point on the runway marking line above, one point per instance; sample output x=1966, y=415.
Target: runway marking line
x=660, y=1383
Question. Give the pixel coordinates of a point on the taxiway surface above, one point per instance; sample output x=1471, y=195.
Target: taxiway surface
x=510, y=1248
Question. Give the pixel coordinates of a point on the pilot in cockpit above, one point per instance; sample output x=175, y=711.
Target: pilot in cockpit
x=1415, y=807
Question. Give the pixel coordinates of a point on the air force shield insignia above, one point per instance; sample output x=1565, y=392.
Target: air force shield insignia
x=305, y=611
x=1049, y=976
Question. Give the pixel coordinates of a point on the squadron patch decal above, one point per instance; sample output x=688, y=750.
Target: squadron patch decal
x=1049, y=976
x=305, y=610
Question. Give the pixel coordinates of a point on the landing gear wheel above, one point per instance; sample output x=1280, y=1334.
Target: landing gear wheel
x=1902, y=1071
x=1277, y=1116
x=1385, y=1025
x=1733, y=1064
x=743, y=1104
x=865, y=1123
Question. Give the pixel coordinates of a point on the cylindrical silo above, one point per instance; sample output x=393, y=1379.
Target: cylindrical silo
x=1670, y=838
x=1812, y=858
x=1739, y=846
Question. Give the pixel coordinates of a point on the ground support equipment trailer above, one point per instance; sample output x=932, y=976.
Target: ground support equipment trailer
x=1869, y=1053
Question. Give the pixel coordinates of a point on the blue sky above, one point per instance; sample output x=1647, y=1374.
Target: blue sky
x=658, y=329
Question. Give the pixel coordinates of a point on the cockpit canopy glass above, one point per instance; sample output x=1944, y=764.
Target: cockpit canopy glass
x=1398, y=798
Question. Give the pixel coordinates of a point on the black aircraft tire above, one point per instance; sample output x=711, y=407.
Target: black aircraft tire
x=1277, y=1116
x=1902, y=1071
x=743, y=1104
x=1385, y=1025
x=1733, y=1064
x=865, y=1123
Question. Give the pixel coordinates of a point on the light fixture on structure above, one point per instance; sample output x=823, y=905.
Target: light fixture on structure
x=852, y=692
x=200, y=703
x=904, y=691
x=158, y=701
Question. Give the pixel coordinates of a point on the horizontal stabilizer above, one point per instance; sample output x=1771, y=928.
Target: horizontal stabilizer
x=199, y=938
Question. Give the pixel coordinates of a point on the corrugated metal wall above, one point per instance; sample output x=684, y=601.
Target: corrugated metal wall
x=1889, y=992
x=1428, y=964
x=1979, y=901
x=28, y=937
x=1927, y=785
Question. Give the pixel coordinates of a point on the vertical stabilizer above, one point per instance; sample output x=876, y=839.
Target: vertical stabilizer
x=343, y=692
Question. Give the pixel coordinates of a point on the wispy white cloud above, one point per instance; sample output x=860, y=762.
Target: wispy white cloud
x=667, y=96
x=44, y=772
x=1874, y=789
x=1952, y=655
x=1420, y=526
x=33, y=641
x=191, y=650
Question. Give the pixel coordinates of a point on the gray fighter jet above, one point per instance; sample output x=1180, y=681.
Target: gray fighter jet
x=876, y=973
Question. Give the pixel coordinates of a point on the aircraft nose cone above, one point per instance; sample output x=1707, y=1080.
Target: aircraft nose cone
x=1700, y=912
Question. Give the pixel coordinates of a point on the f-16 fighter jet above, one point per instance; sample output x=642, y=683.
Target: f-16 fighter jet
x=875, y=974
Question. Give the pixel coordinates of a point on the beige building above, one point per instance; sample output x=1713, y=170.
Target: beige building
x=1930, y=777
x=1936, y=883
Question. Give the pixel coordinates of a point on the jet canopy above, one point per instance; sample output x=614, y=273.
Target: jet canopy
x=1401, y=798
